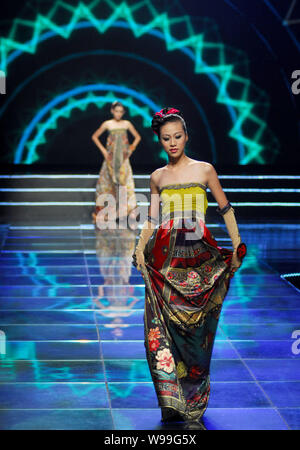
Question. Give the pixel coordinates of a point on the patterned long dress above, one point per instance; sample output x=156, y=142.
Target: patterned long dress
x=186, y=278
x=115, y=177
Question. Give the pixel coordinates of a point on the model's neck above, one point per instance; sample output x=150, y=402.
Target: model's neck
x=177, y=162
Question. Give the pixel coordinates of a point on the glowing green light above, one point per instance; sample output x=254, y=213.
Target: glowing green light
x=235, y=91
x=82, y=104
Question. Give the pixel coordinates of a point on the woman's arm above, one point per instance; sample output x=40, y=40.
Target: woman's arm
x=153, y=211
x=149, y=225
x=227, y=211
x=95, y=136
x=136, y=135
x=215, y=187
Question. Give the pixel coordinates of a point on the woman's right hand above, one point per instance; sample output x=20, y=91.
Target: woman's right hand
x=237, y=257
x=235, y=262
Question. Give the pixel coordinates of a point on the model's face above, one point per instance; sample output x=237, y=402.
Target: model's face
x=118, y=112
x=173, y=138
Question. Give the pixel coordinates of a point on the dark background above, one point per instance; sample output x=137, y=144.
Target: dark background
x=250, y=37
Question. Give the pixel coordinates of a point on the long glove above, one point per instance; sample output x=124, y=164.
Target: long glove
x=239, y=248
x=146, y=232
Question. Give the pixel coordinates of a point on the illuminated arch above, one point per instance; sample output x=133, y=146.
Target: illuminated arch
x=159, y=67
x=193, y=46
x=55, y=111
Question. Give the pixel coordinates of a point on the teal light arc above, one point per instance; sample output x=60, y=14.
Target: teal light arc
x=151, y=63
x=78, y=103
x=185, y=50
x=225, y=69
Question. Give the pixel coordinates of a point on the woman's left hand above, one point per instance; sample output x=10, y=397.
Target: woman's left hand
x=235, y=262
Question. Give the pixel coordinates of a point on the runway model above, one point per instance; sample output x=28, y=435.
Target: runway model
x=116, y=170
x=187, y=275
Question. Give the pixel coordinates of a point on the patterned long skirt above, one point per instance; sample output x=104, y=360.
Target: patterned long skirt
x=186, y=278
x=115, y=180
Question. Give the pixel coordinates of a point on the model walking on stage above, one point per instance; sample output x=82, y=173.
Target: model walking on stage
x=186, y=274
x=116, y=170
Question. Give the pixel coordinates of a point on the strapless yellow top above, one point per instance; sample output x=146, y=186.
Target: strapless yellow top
x=181, y=197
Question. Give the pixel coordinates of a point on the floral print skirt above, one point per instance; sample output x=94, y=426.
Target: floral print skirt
x=187, y=276
x=115, y=179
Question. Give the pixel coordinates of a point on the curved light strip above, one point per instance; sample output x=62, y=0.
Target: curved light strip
x=188, y=52
x=225, y=70
x=157, y=66
x=79, y=103
x=283, y=23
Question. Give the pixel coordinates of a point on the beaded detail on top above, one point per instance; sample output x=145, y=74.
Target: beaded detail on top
x=182, y=186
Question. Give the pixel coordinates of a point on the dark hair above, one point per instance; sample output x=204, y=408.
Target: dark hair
x=116, y=103
x=161, y=117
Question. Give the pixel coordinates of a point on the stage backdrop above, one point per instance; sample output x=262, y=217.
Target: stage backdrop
x=232, y=67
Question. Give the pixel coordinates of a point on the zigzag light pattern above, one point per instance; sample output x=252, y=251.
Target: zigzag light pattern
x=66, y=110
x=196, y=46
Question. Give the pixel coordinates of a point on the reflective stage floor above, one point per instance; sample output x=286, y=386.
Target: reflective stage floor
x=72, y=342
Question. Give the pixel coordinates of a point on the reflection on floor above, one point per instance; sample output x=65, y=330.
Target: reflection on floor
x=71, y=340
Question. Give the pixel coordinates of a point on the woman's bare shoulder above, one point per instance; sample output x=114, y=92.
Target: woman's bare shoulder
x=206, y=165
x=202, y=163
x=107, y=123
x=156, y=175
x=203, y=166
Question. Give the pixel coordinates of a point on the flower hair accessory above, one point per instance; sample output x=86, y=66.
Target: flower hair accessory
x=173, y=111
x=162, y=114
